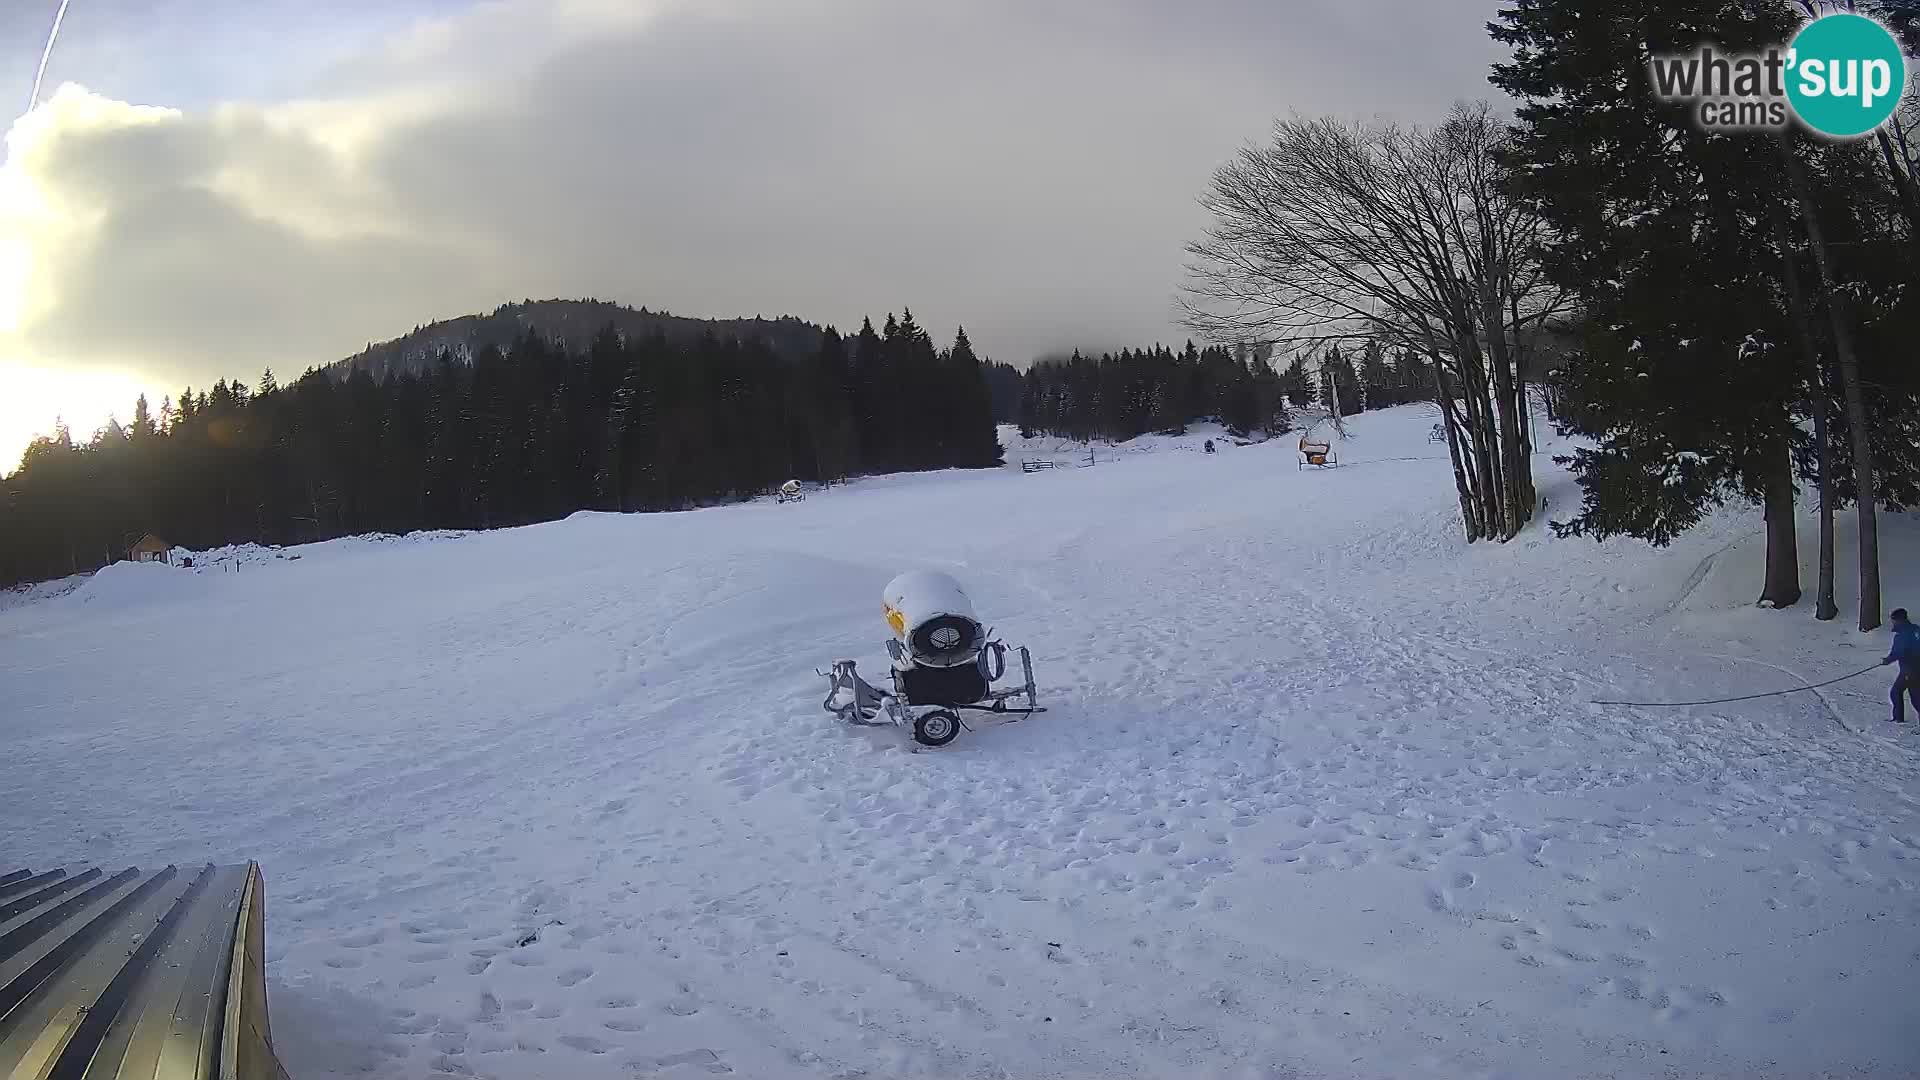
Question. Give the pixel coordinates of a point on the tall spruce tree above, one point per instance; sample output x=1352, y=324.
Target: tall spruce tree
x=974, y=442
x=1684, y=381
x=1783, y=262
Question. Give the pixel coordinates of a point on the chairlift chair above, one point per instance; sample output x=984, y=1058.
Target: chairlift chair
x=1319, y=455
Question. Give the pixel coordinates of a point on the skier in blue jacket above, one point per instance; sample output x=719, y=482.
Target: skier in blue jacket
x=1906, y=650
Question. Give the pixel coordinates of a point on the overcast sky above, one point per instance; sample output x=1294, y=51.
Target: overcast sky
x=209, y=187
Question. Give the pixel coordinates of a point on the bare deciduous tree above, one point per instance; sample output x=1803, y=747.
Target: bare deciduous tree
x=1336, y=232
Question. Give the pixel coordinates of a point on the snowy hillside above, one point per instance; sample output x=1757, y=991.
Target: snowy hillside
x=1321, y=792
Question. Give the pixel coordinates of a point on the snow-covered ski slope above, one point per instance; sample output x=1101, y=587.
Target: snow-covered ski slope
x=1320, y=793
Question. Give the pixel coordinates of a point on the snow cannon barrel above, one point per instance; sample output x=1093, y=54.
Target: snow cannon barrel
x=930, y=615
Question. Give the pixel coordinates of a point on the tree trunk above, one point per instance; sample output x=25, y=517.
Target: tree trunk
x=1863, y=467
x=1903, y=183
x=1470, y=452
x=1824, y=608
x=1469, y=519
x=1783, y=543
x=1482, y=435
x=1524, y=410
x=1515, y=500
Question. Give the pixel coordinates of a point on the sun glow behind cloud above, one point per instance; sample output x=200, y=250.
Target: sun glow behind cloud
x=83, y=398
x=37, y=221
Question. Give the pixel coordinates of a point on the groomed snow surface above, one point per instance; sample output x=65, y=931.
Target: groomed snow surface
x=1321, y=792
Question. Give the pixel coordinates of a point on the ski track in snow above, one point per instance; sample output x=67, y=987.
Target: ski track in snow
x=1318, y=793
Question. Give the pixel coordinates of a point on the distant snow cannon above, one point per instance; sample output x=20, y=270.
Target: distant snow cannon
x=943, y=658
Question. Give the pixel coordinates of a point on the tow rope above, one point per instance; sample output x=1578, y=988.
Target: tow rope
x=1744, y=697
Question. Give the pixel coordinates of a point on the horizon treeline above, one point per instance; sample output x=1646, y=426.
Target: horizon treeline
x=1123, y=395
x=529, y=433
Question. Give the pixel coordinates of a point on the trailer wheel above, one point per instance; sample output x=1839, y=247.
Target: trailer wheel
x=937, y=728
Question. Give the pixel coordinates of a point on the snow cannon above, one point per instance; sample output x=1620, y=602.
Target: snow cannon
x=943, y=660
x=932, y=620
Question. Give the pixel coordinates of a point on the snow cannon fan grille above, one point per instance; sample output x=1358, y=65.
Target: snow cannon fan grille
x=946, y=641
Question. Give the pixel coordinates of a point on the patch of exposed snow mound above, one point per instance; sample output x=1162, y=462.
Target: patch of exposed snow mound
x=130, y=584
x=242, y=556
x=38, y=591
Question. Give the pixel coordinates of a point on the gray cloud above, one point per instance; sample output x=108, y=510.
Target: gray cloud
x=1026, y=168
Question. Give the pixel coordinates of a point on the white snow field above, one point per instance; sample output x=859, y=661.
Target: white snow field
x=1321, y=792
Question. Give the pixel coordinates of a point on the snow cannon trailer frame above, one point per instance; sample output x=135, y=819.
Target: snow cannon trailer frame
x=857, y=701
x=944, y=661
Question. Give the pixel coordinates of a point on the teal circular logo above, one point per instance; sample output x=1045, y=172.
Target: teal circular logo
x=1846, y=75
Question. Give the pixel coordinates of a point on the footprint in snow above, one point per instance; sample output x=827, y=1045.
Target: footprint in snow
x=492, y=1043
x=703, y=1059
x=401, y=1025
x=1708, y=995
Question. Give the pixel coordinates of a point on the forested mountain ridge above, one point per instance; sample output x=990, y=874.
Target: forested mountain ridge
x=571, y=325
x=530, y=432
